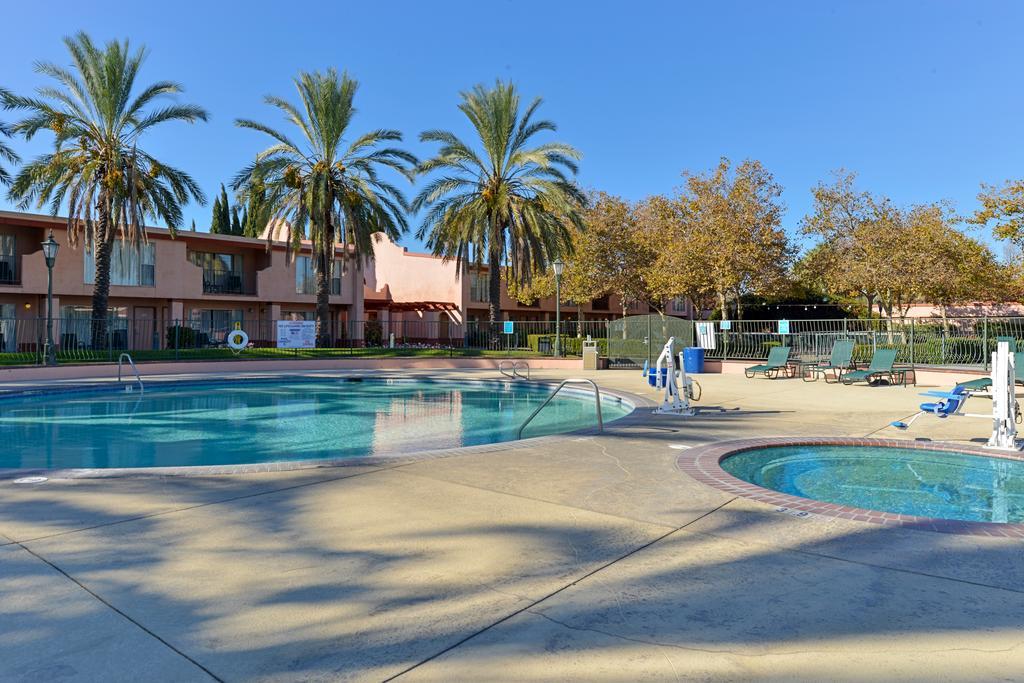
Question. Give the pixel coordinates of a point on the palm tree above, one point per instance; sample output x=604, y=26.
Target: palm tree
x=6, y=153
x=326, y=187
x=511, y=203
x=110, y=185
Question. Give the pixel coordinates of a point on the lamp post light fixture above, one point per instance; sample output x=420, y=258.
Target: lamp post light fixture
x=558, y=266
x=50, y=248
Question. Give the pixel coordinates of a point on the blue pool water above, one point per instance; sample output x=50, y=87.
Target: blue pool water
x=263, y=421
x=910, y=482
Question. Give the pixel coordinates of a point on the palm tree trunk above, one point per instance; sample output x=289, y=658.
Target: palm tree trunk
x=323, y=257
x=103, y=245
x=494, y=285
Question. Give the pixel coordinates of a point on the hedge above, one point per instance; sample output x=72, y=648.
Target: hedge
x=181, y=337
x=571, y=346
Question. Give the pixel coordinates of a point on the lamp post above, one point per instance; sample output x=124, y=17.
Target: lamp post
x=50, y=248
x=558, y=265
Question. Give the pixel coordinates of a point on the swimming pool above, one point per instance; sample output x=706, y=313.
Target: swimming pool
x=246, y=421
x=919, y=482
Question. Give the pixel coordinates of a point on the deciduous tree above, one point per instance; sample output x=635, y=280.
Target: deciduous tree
x=734, y=219
x=1003, y=209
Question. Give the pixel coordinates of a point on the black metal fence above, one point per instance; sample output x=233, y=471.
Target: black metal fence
x=962, y=341
x=23, y=340
x=954, y=342
x=627, y=341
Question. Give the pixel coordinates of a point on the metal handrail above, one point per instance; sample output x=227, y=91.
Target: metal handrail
x=138, y=377
x=516, y=364
x=597, y=404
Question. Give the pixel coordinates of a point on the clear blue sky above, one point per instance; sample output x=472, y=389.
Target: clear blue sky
x=923, y=99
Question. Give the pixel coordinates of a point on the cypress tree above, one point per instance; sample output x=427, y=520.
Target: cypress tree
x=236, y=225
x=245, y=221
x=225, y=211
x=255, y=211
x=193, y=225
x=215, y=224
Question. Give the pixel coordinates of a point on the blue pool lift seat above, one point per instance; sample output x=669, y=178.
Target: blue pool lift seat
x=950, y=403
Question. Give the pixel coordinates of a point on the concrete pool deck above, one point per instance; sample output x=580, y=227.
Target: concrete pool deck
x=586, y=557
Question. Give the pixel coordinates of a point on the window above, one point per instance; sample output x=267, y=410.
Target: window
x=305, y=277
x=296, y=315
x=76, y=327
x=479, y=287
x=129, y=266
x=214, y=324
x=222, y=273
x=8, y=260
x=8, y=330
x=600, y=304
x=679, y=305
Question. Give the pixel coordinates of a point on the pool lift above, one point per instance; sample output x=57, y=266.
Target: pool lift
x=679, y=389
x=1004, y=403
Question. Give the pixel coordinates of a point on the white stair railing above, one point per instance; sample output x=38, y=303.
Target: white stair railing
x=138, y=377
x=597, y=403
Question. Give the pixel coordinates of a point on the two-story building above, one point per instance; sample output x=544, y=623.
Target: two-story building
x=208, y=282
x=425, y=293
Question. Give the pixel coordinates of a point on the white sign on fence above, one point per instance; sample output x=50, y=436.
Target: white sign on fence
x=706, y=335
x=296, y=334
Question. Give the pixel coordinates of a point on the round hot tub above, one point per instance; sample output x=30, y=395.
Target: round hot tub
x=918, y=482
x=933, y=486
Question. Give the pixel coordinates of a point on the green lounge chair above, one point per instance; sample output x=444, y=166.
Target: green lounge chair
x=983, y=383
x=839, y=361
x=778, y=359
x=880, y=368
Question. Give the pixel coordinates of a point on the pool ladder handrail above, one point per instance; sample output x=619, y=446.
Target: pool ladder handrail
x=515, y=364
x=138, y=377
x=572, y=380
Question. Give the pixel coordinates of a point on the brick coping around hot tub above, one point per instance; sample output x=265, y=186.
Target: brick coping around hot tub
x=703, y=464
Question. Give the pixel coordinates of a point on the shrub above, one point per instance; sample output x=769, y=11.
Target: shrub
x=181, y=337
x=373, y=333
x=571, y=346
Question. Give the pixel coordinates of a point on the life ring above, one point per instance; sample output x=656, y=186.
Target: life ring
x=237, y=340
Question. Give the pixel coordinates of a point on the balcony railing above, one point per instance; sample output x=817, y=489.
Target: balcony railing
x=221, y=282
x=9, y=270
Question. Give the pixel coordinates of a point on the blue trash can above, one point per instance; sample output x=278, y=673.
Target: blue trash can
x=693, y=360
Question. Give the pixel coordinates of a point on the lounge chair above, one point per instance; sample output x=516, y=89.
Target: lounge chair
x=880, y=368
x=983, y=383
x=778, y=359
x=839, y=361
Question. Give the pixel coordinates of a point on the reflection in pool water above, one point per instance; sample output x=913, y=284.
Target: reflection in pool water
x=262, y=421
